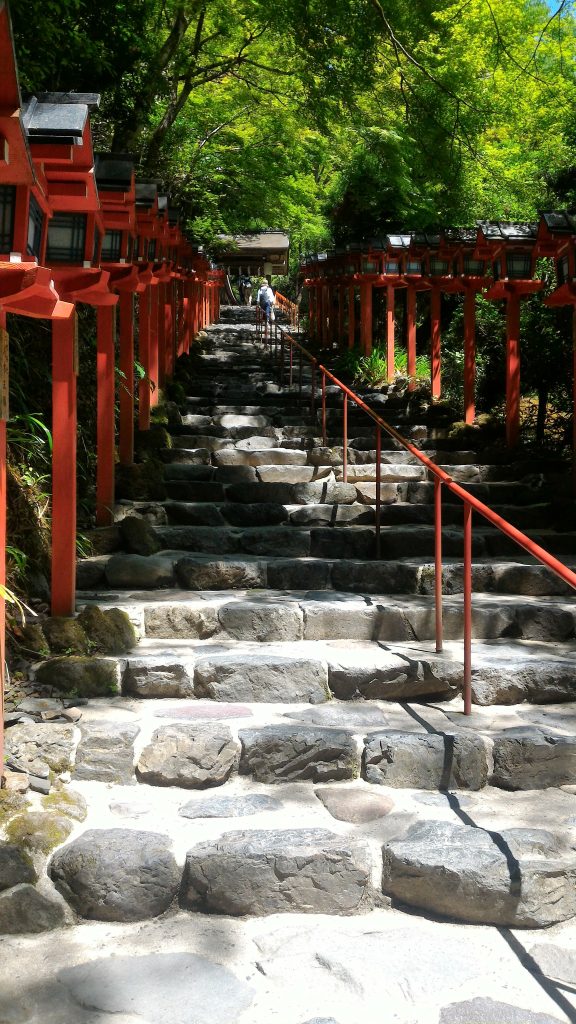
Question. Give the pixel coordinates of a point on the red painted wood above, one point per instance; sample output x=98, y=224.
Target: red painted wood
x=64, y=424
x=161, y=334
x=154, y=341
x=144, y=358
x=574, y=398
x=469, y=355
x=167, y=360
x=341, y=314
x=513, y=370
x=105, y=415
x=126, y=441
x=3, y=503
x=390, y=327
x=351, y=317
x=411, y=335
x=366, y=317
x=435, y=314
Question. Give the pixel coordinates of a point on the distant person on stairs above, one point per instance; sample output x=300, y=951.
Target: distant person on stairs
x=247, y=291
x=241, y=289
x=266, y=300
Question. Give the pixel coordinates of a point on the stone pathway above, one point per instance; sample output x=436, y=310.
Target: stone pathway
x=281, y=814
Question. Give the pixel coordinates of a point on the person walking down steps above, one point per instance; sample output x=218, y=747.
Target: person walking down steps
x=266, y=300
x=247, y=291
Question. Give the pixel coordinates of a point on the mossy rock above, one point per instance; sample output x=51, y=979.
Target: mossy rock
x=139, y=537
x=144, y=481
x=67, y=802
x=110, y=631
x=39, y=831
x=65, y=636
x=81, y=677
x=33, y=639
x=11, y=804
x=175, y=392
x=154, y=439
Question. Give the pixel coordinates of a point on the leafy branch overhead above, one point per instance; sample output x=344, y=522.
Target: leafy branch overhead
x=331, y=118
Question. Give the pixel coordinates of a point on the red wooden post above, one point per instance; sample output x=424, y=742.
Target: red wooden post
x=154, y=341
x=467, y=608
x=105, y=413
x=126, y=442
x=3, y=503
x=144, y=304
x=390, y=325
x=351, y=317
x=438, y=569
x=161, y=334
x=366, y=317
x=341, y=314
x=411, y=335
x=64, y=425
x=435, y=314
x=324, y=312
x=469, y=355
x=513, y=370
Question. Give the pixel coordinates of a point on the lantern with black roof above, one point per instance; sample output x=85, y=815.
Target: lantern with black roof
x=145, y=250
x=557, y=239
x=353, y=266
x=371, y=270
x=438, y=252
x=395, y=247
x=512, y=251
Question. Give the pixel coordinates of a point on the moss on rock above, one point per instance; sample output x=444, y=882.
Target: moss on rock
x=39, y=831
x=65, y=636
x=110, y=631
x=82, y=677
x=67, y=802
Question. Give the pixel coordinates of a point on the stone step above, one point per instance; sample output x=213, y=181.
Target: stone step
x=400, y=576
x=271, y=615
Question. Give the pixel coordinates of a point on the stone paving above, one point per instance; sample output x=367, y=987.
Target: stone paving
x=275, y=810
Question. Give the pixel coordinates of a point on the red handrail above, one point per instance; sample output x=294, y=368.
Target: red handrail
x=290, y=309
x=441, y=479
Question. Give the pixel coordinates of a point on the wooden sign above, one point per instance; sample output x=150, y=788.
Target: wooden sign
x=4, y=374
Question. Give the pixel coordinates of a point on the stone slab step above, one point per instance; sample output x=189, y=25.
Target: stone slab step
x=404, y=576
x=275, y=615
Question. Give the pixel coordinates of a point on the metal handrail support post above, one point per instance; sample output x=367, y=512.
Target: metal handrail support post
x=467, y=609
x=345, y=440
x=438, y=567
x=378, y=488
x=281, y=359
x=313, y=392
x=291, y=379
x=300, y=367
x=323, y=408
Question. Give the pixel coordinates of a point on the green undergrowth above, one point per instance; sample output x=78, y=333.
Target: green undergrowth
x=372, y=370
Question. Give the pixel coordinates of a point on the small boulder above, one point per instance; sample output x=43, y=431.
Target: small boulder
x=106, y=752
x=15, y=867
x=117, y=874
x=194, y=757
x=65, y=636
x=39, y=831
x=85, y=677
x=24, y=909
x=37, y=746
x=138, y=536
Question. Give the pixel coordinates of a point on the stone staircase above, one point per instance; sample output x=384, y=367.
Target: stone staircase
x=287, y=671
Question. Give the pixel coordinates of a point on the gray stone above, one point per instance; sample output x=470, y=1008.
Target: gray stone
x=138, y=536
x=261, y=514
x=262, y=622
x=339, y=716
x=270, y=540
x=117, y=874
x=159, y=988
x=381, y=675
x=36, y=746
x=302, y=871
x=85, y=677
x=106, y=752
x=426, y=760
x=483, y=1010
x=336, y=619
x=226, y=575
x=354, y=805
x=375, y=577
x=89, y=574
x=229, y=806
x=530, y=758
x=519, y=878
x=298, y=574
x=191, y=756
x=14, y=866
x=140, y=571
x=290, y=753
x=191, y=621
x=555, y=962
x=160, y=676
x=23, y=909
x=261, y=677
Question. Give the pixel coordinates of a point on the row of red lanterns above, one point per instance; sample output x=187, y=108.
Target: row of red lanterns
x=496, y=259
x=76, y=228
